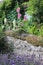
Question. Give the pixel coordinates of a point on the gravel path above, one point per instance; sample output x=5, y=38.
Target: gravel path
x=24, y=48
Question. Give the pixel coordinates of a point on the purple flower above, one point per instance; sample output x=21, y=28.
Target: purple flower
x=15, y=59
x=19, y=15
x=13, y=64
x=25, y=18
x=37, y=63
x=18, y=10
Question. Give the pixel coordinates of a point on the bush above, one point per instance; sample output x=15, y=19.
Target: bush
x=35, y=8
x=32, y=10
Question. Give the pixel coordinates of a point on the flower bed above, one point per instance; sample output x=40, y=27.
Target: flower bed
x=14, y=59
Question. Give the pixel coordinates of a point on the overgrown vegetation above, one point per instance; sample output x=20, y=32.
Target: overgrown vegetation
x=21, y=16
x=29, y=18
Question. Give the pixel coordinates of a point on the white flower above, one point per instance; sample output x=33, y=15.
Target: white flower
x=28, y=16
x=13, y=29
x=5, y=20
x=0, y=0
x=14, y=23
x=2, y=26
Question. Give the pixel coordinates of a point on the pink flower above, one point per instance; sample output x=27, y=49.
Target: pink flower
x=25, y=18
x=18, y=10
x=19, y=15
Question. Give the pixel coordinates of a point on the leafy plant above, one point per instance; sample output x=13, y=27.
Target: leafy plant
x=41, y=30
x=35, y=8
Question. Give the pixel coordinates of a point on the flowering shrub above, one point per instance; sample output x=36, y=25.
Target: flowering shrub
x=14, y=59
x=18, y=10
x=25, y=18
x=13, y=13
x=19, y=15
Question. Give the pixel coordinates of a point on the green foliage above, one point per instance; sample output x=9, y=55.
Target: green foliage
x=29, y=28
x=1, y=33
x=0, y=29
x=12, y=15
x=34, y=9
x=41, y=30
x=25, y=26
x=41, y=5
x=4, y=4
x=1, y=4
x=41, y=11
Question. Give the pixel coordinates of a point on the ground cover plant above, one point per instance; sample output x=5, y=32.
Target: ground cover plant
x=14, y=59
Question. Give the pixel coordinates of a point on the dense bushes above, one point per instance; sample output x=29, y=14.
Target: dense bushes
x=28, y=19
x=35, y=9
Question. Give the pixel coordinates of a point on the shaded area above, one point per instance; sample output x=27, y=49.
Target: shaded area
x=4, y=46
